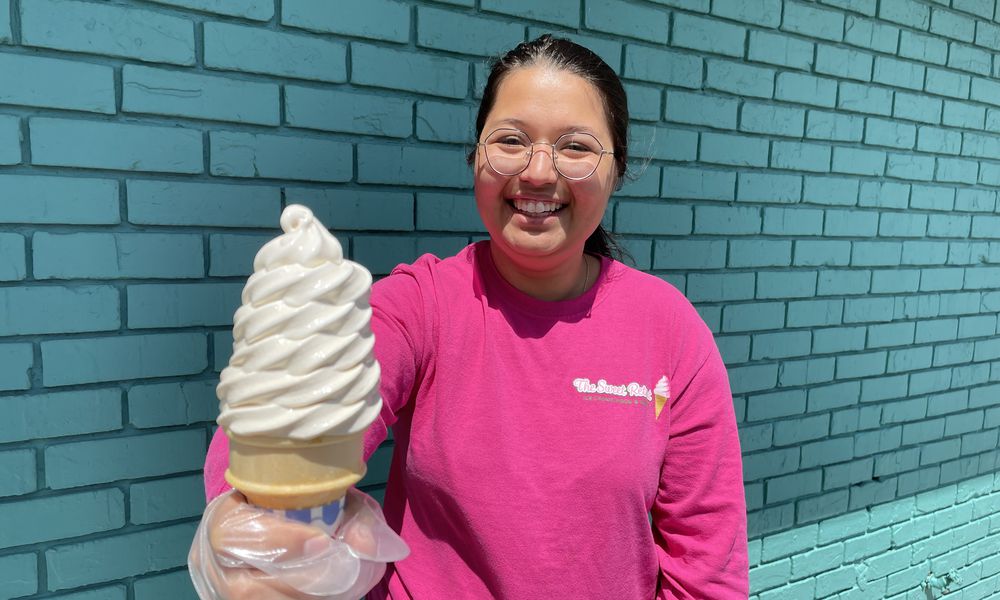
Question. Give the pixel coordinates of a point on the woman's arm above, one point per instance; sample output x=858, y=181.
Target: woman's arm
x=699, y=515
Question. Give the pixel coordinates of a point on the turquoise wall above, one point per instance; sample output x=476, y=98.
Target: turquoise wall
x=820, y=178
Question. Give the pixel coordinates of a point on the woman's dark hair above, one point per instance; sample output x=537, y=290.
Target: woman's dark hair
x=564, y=54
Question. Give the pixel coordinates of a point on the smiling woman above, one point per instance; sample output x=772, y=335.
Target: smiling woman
x=513, y=476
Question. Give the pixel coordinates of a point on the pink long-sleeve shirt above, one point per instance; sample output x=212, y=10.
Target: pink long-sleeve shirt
x=529, y=461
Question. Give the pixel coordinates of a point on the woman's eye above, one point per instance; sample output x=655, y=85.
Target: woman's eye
x=512, y=141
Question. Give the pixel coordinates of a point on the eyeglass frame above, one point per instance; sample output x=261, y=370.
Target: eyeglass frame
x=552, y=155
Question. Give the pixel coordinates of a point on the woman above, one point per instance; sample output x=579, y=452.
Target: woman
x=548, y=402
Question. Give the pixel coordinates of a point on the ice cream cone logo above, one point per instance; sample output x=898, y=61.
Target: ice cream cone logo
x=661, y=393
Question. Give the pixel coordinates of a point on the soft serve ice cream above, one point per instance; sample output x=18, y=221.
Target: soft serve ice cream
x=302, y=366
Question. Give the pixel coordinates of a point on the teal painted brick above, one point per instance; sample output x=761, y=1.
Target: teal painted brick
x=727, y=220
x=882, y=440
x=689, y=254
x=409, y=71
x=176, y=585
x=237, y=154
x=697, y=33
x=856, y=161
x=100, y=461
x=781, y=345
x=932, y=139
x=10, y=140
x=165, y=404
x=733, y=150
x=701, y=109
x=757, y=316
x=721, y=288
x=17, y=473
x=968, y=253
x=629, y=20
x=822, y=507
x=643, y=102
x=910, y=359
x=960, y=114
x=231, y=254
x=53, y=518
x=348, y=209
x=760, y=253
x=806, y=89
x=867, y=310
x=114, y=592
x=871, y=34
x=182, y=305
x=952, y=25
x=843, y=62
x=859, y=98
x=956, y=170
x=769, y=187
x=799, y=156
x=789, y=542
x=969, y=58
x=663, y=142
x=105, y=29
x=756, y=12
x=781, y=50
x=922, y=47
x=738, y=78
x=910, y=166
x=974, y=443
x=962, y=303
x=963, y=423
x=813, y=22
x=788, y=487
x=83, y=360
x=16, y=361
x=13, y=267
x=993, y=119
x=447, y=212
x=381, y=254
x=892, y=334
x=898, y=73
x=982, y=8
x=223, y=349
x=560, y=12
x=975, y=200
x=772, y=119
x=982, y=146
x=905, y=12
x=841, y=191
x=446, y=30
x=936, y=452
x=850, y=223
x=834, y=126
x=798, y=221
x=60, y=414
x=412, y=165
x=753, y=378
x=932, y=198
x=378, y=19
x=947, y=83
x=801, y=372
x=663, y=66
x=653, y=218
x=166, y=92
x=976, y=326
x=43, y=199
x=204, y=204
x=107, y=559
x=912, y=307
x=811, y=313
x=103, y=145
x=902, y=225
x=166, y=499
x=113, y=255
x=844, y=282
x=786, y=285
x=884, y=194
x=255, y=50
x=56, y=83
x=6, y=35
x=818, y=253
x=256, y=10
x=985, y=90
x=684, y=183
x=771, y=575
x=985, y=227
x=440, y=122
x=897, y=462
x=827, y=452
x=987, y=350
x=881, y=132
x=861, y=365
x=644, y=184
x=895, y=281
x=19, y=572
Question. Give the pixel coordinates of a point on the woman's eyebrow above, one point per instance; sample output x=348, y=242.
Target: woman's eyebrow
x=568, y=129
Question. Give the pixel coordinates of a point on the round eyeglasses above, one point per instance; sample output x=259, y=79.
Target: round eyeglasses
x=575, y=155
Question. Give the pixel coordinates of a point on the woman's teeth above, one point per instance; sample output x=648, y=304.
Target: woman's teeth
x=533, y=207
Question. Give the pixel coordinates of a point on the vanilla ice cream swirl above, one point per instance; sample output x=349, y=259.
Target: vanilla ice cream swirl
x=302, y=364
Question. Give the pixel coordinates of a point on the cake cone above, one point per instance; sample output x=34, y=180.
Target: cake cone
x=288, y=474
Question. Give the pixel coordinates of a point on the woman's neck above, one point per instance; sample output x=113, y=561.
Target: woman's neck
x=563, y=280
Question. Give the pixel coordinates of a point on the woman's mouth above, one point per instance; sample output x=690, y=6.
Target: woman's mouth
x=536, y=208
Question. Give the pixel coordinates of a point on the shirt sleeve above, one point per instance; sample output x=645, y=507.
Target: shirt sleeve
x=699, y=514
x=398, y=325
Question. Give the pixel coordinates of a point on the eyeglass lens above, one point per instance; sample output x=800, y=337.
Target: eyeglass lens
x=576, y=155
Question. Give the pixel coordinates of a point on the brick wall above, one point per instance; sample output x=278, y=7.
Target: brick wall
x=820, y=178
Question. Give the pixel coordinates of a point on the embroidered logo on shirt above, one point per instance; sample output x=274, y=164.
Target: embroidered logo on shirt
x=601, y=390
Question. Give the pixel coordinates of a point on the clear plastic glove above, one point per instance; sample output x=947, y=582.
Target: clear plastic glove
x=241, y=552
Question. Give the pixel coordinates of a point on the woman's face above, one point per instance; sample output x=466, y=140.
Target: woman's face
x=544, y=102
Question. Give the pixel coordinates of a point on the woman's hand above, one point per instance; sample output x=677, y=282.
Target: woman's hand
x=241, y=552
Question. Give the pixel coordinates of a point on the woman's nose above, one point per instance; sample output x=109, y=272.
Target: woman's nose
x=541, y=167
